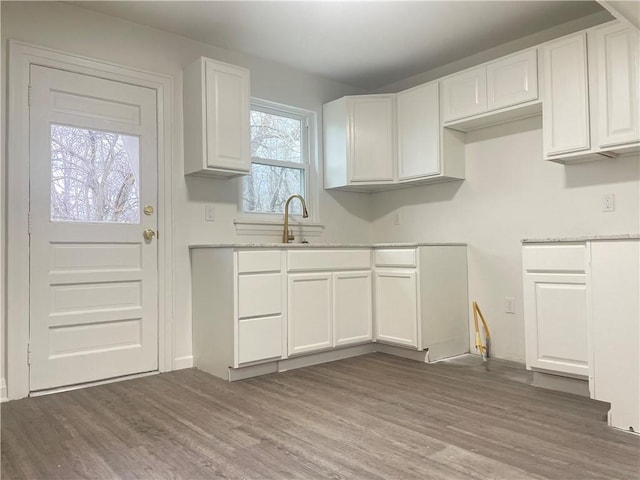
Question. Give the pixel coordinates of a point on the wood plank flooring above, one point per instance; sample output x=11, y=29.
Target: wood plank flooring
x=370, y=417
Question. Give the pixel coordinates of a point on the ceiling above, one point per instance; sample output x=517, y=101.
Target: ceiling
x=363, y=44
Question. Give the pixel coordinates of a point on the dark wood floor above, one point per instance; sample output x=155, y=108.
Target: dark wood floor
x=371, y=417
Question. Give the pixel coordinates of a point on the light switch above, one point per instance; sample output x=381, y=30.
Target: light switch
x=210, y=213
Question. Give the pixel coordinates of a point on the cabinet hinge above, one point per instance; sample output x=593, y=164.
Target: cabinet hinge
x=29, y=95
x=29, y=223
x=158, y=235
x=28, y=354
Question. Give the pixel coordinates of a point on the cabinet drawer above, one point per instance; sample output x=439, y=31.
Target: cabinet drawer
x=309, y=260
x=395, y=257
x=259, y=339
x=554, y=258
x=259, y=295
x=259, y=261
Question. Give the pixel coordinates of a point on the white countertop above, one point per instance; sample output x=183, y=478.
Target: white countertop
x=585, y=238
x=326, y=245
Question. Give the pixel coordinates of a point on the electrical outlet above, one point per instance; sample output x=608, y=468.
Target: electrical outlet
x=509, y=305
x=397, y=218
x=608, y=202
x=210, y=213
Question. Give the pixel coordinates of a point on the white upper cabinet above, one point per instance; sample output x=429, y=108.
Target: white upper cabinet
x=618, y=85
x=465, y=94
x=359, y=140
x=496, y=85
x=565, y=107
x=418, y=132
x=591, y=100
x=216, y=119
x=512, y=80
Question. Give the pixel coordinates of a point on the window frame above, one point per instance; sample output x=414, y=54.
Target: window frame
x=308, y=165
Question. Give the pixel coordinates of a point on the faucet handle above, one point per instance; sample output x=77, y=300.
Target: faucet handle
x=290, y=236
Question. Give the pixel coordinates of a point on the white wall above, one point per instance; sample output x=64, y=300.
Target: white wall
x=76, y=30
x=510, y=194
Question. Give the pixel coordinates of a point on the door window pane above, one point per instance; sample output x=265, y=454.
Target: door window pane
x=94, y=176
x=267, y=188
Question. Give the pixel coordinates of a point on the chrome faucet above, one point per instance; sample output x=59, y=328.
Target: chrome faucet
x=287, y=236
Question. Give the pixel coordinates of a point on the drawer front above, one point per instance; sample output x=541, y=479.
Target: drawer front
x=568, y=257
x=309, y=260
x=259, y=295
x=259, y=261
x=395, y=257
x=259, y=339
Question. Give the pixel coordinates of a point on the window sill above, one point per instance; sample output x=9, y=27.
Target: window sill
x=275, y=227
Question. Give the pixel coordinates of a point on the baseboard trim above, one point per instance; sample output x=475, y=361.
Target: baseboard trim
x=417, y=355
x=180, y=363
x=561, y=383
x=324, y=357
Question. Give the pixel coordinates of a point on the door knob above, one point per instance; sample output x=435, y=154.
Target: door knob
x=148, y=234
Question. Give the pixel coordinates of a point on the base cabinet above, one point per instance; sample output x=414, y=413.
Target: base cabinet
x=352, y=308
x=581, y=312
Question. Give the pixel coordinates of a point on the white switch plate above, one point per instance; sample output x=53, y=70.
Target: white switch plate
x=608, y=202
x=509, y=305
x=210, y=213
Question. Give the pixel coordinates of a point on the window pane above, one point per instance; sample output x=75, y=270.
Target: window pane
x=275, y=138
x=267, y=188
x=94, y=176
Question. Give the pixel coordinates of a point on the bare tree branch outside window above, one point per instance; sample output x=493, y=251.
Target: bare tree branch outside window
x=92, y=176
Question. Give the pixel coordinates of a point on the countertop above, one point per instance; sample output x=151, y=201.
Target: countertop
x=585, y=238
x=327, y=245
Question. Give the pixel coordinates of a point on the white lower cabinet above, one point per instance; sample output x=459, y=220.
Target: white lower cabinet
x=581, y=313
x=420, y=298
x=397, y=307
x=555, y=304
x=310, y=319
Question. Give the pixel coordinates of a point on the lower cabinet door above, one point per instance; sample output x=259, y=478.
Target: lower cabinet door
x=396, y=307
x=555, y=308
x=352, y=317
x=310, y=313
x=259, y=339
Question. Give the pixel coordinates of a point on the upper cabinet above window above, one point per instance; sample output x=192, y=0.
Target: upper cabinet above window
x=216, y=119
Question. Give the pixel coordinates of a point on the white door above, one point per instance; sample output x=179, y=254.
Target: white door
x=93, y=189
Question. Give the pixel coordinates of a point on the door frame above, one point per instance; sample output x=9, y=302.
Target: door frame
x=21, y=57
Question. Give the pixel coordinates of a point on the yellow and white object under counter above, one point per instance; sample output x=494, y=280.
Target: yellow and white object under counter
x=582, y=316
x=263, y=308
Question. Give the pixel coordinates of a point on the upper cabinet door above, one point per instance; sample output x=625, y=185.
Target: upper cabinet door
x=227, y=100
x=565, y=107
x=465, y=94
x=418, y=132
x=371, y=138
x=618, y=85
x=512, y=80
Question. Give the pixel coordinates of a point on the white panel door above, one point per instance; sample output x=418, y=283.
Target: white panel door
x=310, y=313
x=419, y=132
x=93, y=172
x=352, y=306
x=618, y=85
x=396, y=307
x=556, y=323
x=565, y=106
x=371, y=137
x=465, y=94
x=512, y=80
